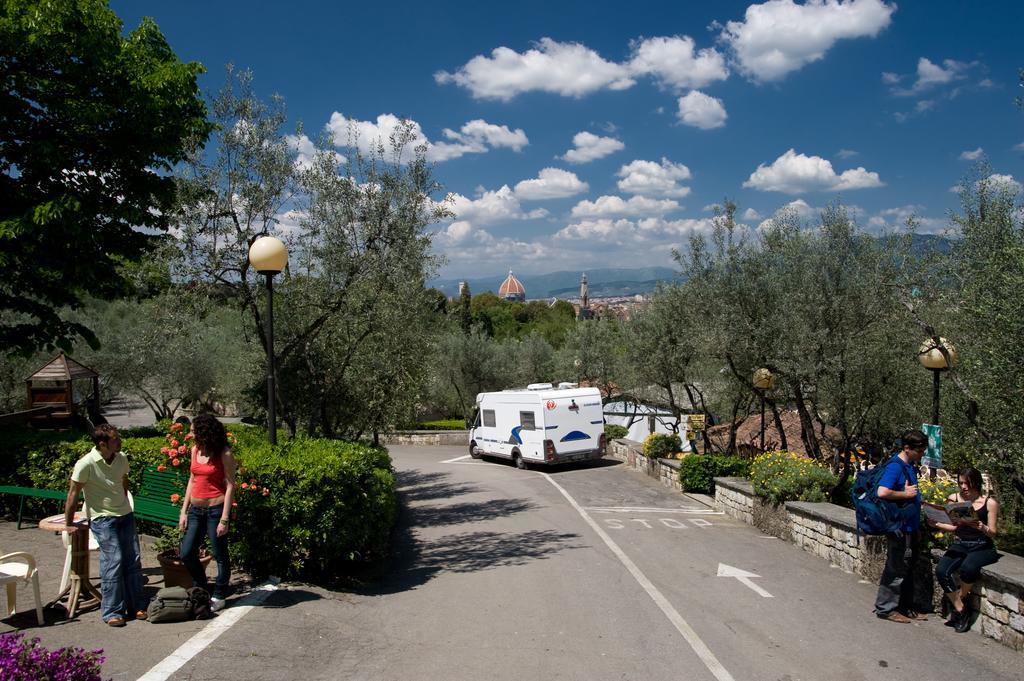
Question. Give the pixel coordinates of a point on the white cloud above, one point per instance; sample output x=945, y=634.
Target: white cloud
x=1018, y=147
x=780, y=36
x=654, y=179
x=568, y=69
x=589, y=147
x=614, y=206
x=929, y=75
x=794, y=173
x=491, y=207
x=847, y=153
x=711, y=207
x=305, y=150
x=751, y=214
x=1004, y=183
x=972, y=155
x=892, y=219
x=551, y=183
x=701, y=111
x=474, y=137
x=628, y=232
x=674, y=63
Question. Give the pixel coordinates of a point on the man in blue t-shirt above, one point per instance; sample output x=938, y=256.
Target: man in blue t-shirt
x=895, y=600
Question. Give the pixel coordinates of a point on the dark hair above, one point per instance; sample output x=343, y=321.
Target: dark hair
x=914, y=439
x=973, y=476
x=103, y=433
x=209, y=434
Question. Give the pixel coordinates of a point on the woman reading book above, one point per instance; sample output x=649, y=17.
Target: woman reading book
x=972, y=547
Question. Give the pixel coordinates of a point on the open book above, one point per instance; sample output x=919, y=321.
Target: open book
x=950, y=514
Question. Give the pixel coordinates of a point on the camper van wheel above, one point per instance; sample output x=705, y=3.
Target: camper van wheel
x=518, y=460
x=474, y=451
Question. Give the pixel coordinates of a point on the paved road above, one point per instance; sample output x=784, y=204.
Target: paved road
x=584, y=573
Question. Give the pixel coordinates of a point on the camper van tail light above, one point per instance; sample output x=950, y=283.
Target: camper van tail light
x=603, y=444
x=549, y=450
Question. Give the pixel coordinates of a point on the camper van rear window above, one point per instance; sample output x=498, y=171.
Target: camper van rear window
x=526, y=420
x=488, y=418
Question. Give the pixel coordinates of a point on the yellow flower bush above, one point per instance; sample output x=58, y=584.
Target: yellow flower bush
x=781, y=476
x=661, y=446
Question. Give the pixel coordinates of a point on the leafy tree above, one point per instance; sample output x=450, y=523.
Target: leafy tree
x=985, y=278
x=90, y=125
x=358, y=241
x=468, y=365
x=595, y=352
x=535, y=359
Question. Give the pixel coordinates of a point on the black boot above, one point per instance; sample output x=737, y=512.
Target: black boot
x=963, y=623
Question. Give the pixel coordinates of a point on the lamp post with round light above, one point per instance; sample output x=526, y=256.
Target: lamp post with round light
x=933, y=358
x=269, y=256
x=763, y=380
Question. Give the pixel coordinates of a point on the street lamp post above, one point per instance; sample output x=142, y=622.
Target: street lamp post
x=763, y=380
x=269, y=256
x=933, y=358
x=936, y=357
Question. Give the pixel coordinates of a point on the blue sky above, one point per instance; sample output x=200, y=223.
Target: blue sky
x=576, y=135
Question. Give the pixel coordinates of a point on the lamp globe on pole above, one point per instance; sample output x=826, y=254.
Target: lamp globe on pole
x=936, y=355
x=268, y=256
x=763, y=379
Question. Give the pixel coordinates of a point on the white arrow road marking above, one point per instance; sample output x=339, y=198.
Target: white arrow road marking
x=682, y=626
x=743, y=577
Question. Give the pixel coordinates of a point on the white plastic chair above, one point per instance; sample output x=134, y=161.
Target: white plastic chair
x=20, y=567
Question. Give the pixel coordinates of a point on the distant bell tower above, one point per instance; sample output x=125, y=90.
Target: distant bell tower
x=584, y=312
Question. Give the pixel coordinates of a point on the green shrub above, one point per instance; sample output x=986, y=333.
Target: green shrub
x=613, y=431
x=309, y=509
x=328, y=504
x=697, y=472
x=662, y=446
x=784, y=476
x=442, y=424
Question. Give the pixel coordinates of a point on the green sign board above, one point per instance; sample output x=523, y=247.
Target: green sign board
x=933, y=457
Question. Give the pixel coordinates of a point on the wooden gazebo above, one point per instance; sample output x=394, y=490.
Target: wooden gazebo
x=52, y=388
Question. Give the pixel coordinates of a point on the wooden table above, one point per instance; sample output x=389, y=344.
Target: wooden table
x=79, y=590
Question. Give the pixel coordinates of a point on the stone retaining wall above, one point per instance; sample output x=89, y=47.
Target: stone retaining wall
x=830, y=531
x=427, y=437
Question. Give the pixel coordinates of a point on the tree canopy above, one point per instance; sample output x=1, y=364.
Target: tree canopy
x=91, y=121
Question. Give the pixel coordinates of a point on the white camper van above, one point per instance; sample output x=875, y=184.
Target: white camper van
x=539, y=425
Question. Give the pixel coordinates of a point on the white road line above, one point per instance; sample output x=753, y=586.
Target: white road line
x=681, y=625
x=458, y=458
x=631, y=509
x=208, y=634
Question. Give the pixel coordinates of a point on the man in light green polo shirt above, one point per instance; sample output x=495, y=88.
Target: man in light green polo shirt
x=103, y=475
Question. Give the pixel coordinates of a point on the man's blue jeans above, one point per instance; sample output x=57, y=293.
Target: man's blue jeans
x=202, y=522
x=120, y=565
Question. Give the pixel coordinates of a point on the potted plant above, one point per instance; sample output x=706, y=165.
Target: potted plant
x=167, y=547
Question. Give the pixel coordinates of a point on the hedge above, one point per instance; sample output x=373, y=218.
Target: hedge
x=613, y=431
x=697, y=472
x=328, y=504
x=781, y=476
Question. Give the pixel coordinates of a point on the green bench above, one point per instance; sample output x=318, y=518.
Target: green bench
x=32, y=492
x=153, y=500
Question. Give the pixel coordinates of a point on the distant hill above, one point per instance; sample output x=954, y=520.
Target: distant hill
x=602, y=282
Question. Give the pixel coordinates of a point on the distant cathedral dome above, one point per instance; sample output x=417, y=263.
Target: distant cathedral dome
x=512, y=289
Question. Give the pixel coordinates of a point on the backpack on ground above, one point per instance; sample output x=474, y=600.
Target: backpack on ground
x=201, y=606
x=877, y=516
x=171, y=604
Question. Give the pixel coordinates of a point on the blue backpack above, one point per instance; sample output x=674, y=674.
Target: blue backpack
x=877, y=516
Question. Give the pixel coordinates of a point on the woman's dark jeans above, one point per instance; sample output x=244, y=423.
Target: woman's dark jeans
x=202, y=522
x=968, y=557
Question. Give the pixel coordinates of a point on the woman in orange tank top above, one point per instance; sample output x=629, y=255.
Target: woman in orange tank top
x=206, y=507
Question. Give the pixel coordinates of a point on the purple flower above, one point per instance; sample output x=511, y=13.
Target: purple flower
x=24, y=659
